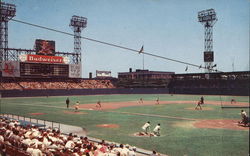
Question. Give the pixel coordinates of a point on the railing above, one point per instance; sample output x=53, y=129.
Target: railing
x=39, y=122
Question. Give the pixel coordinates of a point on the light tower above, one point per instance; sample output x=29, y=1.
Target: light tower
x=77, y=23
x=7, y=11
x=208, y=19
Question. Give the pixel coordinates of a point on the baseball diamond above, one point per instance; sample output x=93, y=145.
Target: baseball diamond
x=176, y=113
x=124, y=78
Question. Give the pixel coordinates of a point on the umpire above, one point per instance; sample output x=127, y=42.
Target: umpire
x=67, y=102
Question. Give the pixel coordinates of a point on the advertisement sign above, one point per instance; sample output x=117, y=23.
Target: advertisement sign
x=10, y=69
x=75, y=71
x=43, y=59
x=103, y=73
x=45, y=47
x=208, y=56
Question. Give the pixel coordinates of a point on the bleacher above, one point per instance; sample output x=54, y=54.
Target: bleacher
x=32, y=84
x=21, y=139
x=24, y=123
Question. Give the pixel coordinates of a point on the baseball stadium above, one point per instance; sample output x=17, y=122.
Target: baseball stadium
x=47, y=106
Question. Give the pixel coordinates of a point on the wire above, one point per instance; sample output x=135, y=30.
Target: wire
x=111, y=44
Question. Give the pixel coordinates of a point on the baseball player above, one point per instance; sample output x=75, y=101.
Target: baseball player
x=158, y=101
x=67, y=102
x=98, y=104
x=233, y=101
x=146, y=127
x=202, y=100
x=244, y=118
x=141, y=100
x=77, y=106
x=198, y=105
x=157, y=130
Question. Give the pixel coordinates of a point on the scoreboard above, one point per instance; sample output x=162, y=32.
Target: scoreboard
x=43, y=70
x=41, y=62
x=40, y=66
x=208, y=56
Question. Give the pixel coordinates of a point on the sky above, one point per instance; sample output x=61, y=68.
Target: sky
x=168, y=28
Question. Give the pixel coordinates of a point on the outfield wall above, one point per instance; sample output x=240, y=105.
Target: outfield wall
x=63, y=92
x=211, y=91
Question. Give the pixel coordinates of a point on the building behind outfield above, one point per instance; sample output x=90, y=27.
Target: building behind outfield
x=219, y=83
x=144, y=79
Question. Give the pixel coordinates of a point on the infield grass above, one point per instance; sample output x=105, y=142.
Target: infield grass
x=179, y=136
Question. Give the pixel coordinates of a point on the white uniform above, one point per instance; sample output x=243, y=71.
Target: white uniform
x=243, y=114
x=157, y=130
x=70, y=144
x=131, y=152
x=146, y=127
x=124, y=152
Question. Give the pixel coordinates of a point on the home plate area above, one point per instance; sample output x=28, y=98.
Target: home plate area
x=143, y=134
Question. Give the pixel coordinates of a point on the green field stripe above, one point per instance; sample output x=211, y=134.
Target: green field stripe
x=155, y=115
x=129, y=113
x=50, y=106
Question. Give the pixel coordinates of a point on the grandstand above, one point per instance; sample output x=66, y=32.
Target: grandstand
x=49, y=141
x=222, y=83
x=227, y=83
x=47, y=83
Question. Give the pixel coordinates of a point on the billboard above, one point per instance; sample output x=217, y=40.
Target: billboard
x=103, y=73
x=45, y=47
x=43, y=70
x=43, y=59
x=10, y=69
x=208, y=56
x=75, y=71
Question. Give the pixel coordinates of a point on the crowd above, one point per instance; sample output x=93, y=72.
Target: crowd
x=97, y=84
x=31, y=140
x=30, y=85
x=63, y=84
x=10, y=86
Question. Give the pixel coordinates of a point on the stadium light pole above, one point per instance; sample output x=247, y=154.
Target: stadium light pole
x=7, y=12
x=77, y=23
x=1, y=99
x=208, y=19
x=1, y=80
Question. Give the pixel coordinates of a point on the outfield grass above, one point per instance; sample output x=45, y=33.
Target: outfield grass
x=175, y=140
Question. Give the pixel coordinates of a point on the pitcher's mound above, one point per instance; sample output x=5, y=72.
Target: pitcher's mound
x=36, y=113
x=108, y=126
x=72, y=112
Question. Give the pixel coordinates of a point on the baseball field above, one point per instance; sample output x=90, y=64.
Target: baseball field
x=212, y=131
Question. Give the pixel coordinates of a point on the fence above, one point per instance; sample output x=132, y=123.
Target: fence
x=30, y=121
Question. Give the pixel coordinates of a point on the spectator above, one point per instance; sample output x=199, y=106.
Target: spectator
x=153, y=153
x=51, y=142
x=132, y=151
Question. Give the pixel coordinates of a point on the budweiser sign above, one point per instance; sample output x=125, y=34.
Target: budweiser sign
x=43, y=59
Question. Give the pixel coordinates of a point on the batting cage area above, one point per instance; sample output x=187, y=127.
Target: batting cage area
x=185, y=127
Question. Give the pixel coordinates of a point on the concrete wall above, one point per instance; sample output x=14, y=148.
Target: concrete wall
x=63, y=92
